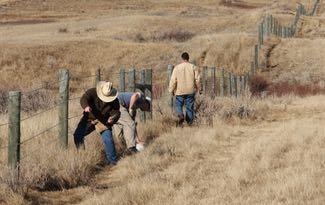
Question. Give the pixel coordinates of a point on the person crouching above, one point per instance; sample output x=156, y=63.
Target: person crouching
x=101, y=111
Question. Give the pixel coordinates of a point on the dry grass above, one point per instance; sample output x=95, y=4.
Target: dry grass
x=179, y=161
x=269, y=163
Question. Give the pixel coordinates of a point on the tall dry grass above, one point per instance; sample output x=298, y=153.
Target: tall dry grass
x=275, y=162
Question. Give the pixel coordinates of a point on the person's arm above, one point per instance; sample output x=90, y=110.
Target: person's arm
x=172, y=83
x=197, y=79
x=114, y=113
x=133, y=100
x=87, y=99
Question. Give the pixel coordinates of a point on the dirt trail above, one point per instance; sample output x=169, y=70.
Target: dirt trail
x=228, y=147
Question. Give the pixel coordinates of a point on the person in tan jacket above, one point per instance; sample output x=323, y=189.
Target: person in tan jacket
x=184, y=83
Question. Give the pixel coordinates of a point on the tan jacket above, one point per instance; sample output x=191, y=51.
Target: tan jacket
x=185, y=79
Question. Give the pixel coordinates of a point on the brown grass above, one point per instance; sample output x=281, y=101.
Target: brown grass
x=259, y=164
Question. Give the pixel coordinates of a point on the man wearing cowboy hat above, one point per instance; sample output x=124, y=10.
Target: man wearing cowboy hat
x=101, y=112
x=126, y=125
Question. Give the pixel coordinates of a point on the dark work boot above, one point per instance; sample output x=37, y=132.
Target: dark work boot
x=180, y=121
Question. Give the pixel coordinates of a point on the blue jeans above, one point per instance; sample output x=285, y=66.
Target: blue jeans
x=85, y=127
x=188, y=101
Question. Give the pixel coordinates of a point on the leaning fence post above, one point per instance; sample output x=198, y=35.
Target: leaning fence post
x=97, y=77
x=122, y=80
x=143, y=82
x=131, y=80
x=222, y=82
x=148, y=82
x=169, y=75
x=14, y=106
x=63, y=106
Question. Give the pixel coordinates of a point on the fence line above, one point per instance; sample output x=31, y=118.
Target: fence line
x=215, y=82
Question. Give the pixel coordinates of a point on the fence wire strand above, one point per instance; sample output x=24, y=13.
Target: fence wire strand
x=39, y=134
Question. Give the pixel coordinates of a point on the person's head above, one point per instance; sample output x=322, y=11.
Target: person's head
x=106, y=92
x=145, y=104
x=185, y=56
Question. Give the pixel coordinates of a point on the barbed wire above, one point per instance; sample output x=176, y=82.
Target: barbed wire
x=37, y=135
x=4, y=147
x=75, y=98
x=79, y=115
x=4, y=124
x=38, y=150
x=39, y=113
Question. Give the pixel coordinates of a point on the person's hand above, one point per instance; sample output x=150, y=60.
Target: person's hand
x=110, y=121
x=87, y=109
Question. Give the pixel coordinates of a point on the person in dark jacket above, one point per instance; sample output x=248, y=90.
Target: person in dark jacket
x=101, y=112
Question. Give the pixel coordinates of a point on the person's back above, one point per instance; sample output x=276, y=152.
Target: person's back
x=184, y=79
x=184, y=82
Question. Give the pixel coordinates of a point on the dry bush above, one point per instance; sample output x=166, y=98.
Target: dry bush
x=30, y=101
x=225, y=108
x=258, y=84
x=169, y=35
x=285, y=88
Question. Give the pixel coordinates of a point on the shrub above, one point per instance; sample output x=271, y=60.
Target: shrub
x=284, y=88
x=258, y=85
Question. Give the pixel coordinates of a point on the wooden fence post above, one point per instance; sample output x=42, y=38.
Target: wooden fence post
x=229, y=85
x=63, y=106
x=148, y=81
x=143, y=82
x=279, y=30
x=252, y=71
x=204, y=79
x=256, y=53
x=242, y=85
x=260, y=35
x=214, y=83
x=97, y=77
x=131, y=80
x=271, y=25
x=314, y=8
x=14, y=105
x=235, y=86
x=169, y=75
x=122, y=80
x=222, y=82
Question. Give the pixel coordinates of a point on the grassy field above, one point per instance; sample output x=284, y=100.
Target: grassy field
x=241, y=151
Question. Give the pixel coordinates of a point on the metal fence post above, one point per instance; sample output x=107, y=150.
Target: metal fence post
x=14, y=105
x=148, y=81
x=170, y=69
x=63, y=106
x=122, y=80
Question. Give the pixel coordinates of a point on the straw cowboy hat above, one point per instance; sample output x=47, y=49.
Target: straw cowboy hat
x=106, y=92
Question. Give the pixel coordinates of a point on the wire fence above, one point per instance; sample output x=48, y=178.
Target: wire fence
x=214, y=82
